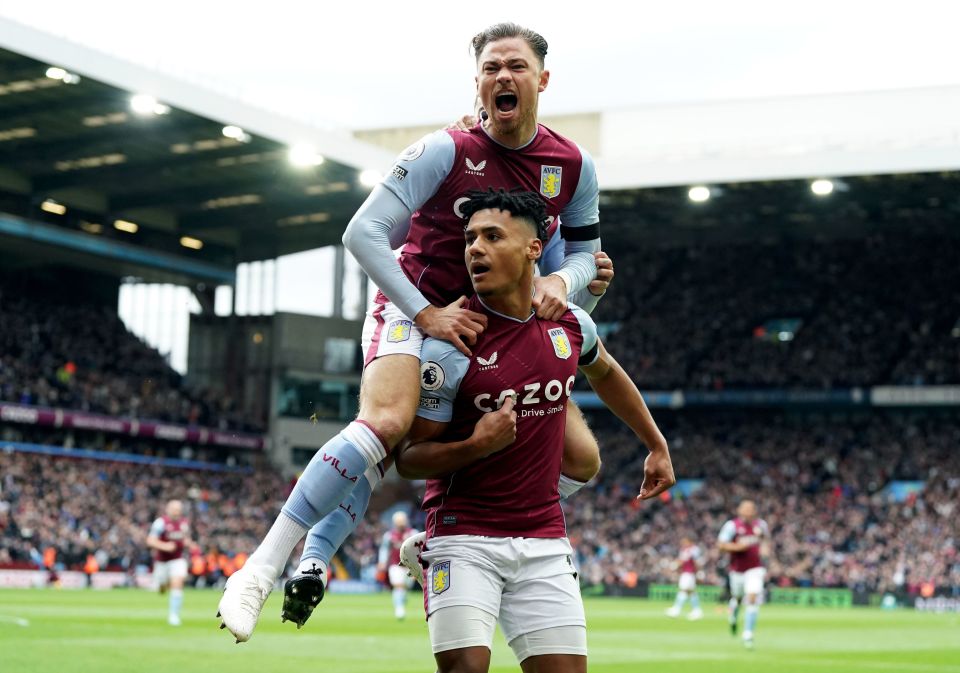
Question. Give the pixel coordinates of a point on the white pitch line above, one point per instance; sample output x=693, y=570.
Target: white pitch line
x=19, y=621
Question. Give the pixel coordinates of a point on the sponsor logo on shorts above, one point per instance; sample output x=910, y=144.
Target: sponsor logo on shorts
x=399, y=330
x=561, y=344
x=399, y=172
x=440, y=576
x=431, y=403
x=550, y=177
x=431, y=376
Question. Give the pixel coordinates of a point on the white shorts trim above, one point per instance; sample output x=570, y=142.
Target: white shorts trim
x=461, y=626
x=387, y=331
x=528, y=583
x=688, y=582
x=164, y=571
x=747, y=582
x=558, y=640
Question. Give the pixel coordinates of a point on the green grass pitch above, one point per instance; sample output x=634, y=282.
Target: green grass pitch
x=125, y=631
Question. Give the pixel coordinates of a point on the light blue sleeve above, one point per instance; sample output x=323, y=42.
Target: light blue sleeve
x=728, y=532
x=156, y=528
x=552, y=259
x=442, y=368
x=421, y=169
x=582, y=211
x=370, y=236
x=590, y=350
x=584, y=207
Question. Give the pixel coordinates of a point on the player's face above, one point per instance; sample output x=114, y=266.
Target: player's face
x=509, y=82
x=174, y=509
x=499, y=251
x=747, y=511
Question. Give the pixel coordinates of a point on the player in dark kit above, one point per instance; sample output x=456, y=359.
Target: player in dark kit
x=489, y=438
x=424, y=294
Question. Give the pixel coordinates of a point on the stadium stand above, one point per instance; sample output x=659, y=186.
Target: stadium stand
x=70, y=354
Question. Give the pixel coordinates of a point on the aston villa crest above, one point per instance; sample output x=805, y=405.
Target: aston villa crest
x=550, y=180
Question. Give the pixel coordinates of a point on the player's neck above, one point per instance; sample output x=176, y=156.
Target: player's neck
x=517, y=304
x=519, y=137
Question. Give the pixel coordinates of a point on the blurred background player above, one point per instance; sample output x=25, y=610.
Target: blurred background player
x=745, y=538
x=389, y=561
x=689, y=563
x=169, y=536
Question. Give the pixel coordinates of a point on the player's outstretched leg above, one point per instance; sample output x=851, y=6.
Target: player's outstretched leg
x=304, y=591
x=327, y=481
x=410, y=555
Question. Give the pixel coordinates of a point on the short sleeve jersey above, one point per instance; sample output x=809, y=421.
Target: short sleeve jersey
x=170, y=530
x=753, y=532
x=511, y=493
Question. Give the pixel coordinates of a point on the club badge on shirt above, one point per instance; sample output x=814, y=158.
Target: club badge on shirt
x=561, y=344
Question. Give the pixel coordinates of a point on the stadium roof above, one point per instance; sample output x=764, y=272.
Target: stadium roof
x=78, y=153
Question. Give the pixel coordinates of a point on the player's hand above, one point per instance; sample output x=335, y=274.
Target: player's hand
x=605, y=274
x=549, y=297
x=496, y=430
x=453, y=323
x=657, y=474
x=465, y=123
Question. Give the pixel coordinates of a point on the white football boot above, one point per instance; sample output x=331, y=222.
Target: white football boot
x=243, y=597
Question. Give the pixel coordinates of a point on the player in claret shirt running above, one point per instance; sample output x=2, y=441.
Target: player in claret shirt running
x=688, y=562
x=168, y=538
x=489, y=439
x=746, y=539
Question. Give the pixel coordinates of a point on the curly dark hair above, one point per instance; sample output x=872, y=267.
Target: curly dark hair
x=504, y=30
x=527, y=206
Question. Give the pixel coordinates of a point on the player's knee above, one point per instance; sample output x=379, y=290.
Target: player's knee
x=391, y=424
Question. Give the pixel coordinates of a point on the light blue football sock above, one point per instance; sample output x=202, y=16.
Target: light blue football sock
x=176, y=601
x=325, y=538
x=750, y=619
x=332, y=474
x=695, y=601
x=680, y=600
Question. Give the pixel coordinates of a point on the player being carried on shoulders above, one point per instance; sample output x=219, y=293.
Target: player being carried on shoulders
x=420, y=204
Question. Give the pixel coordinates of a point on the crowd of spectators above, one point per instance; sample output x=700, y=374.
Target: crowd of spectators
x=81, y=507
x=821, y=483
x=881, y=309
x=62, y=353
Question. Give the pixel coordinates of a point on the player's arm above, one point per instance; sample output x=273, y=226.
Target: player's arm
x=725, y=541
x=580, y=230
x=424, y=457
x=374, y=231
x=621, y=396
x=154, y=541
